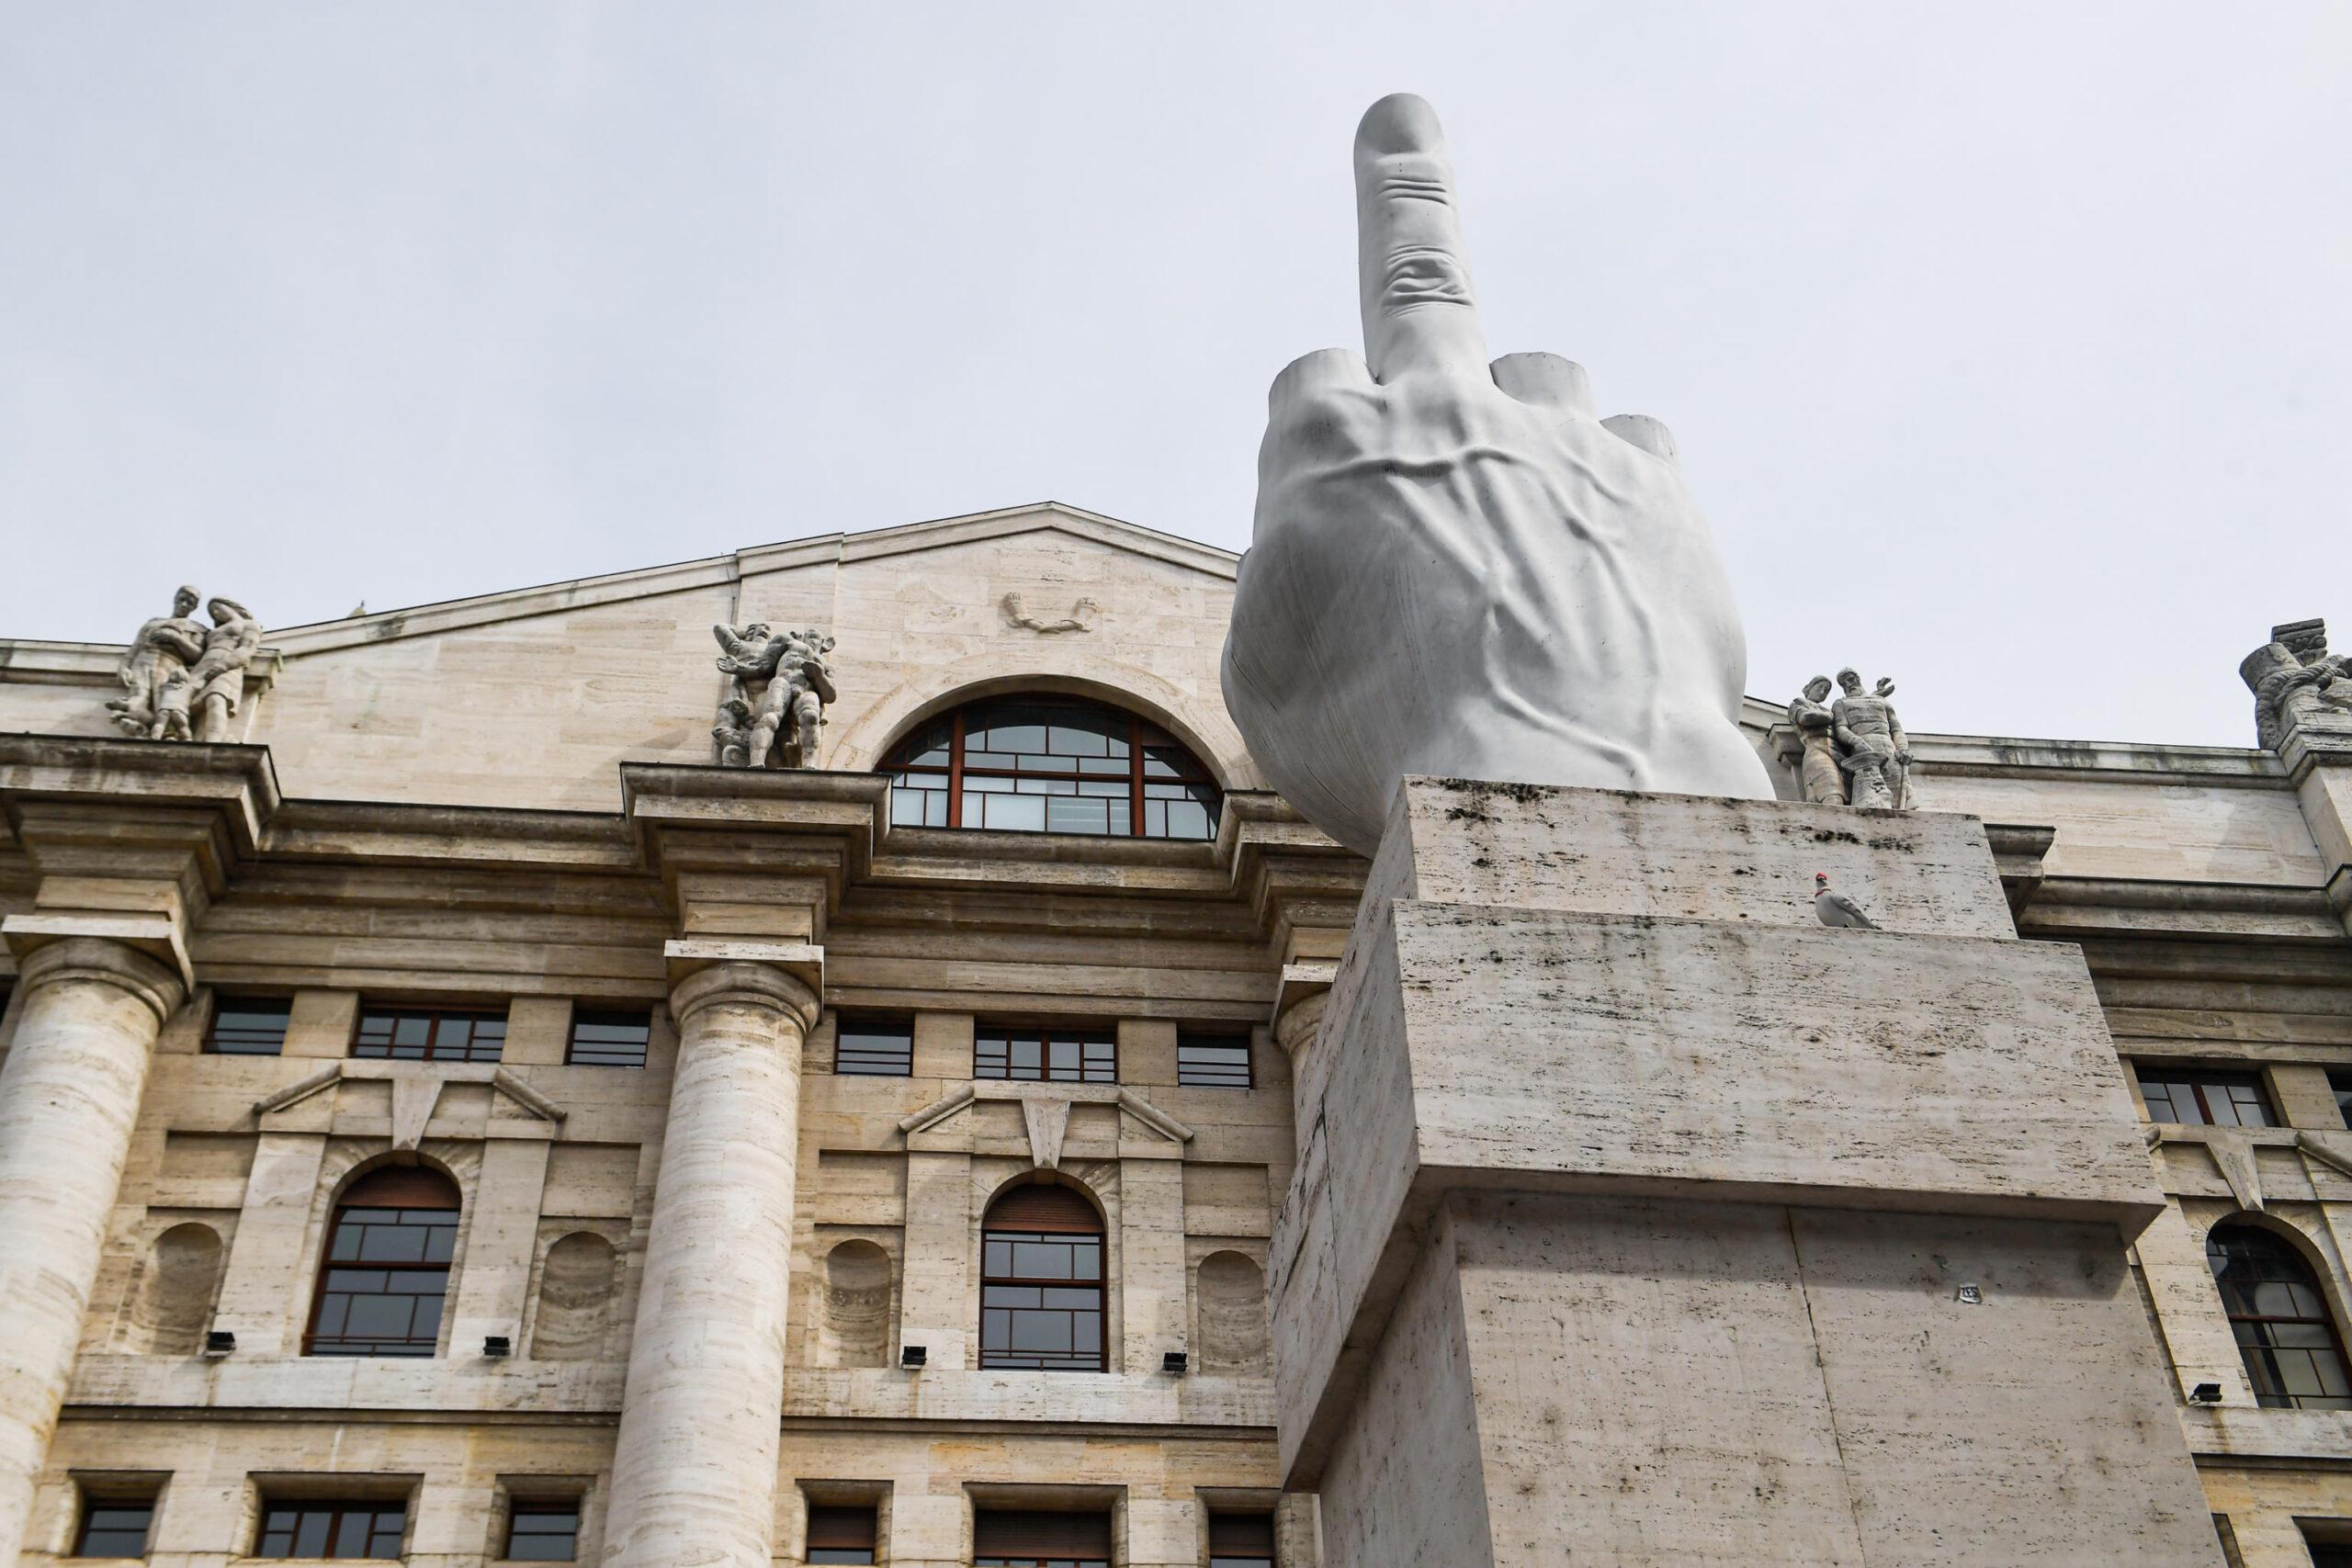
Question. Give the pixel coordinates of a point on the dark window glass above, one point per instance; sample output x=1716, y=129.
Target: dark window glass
x=1241, y=1540
x=1041, y=1300
x=842, y=1535
x=248, y=1026
x=1213, y=1061
x=873, y=1047
x=2197, y=1098
x=2340, y=1080
x=430, y=1035
x=1051, y=764
x=114, y=1526
x=1062, y=1054
x=320, y=1528
x=1019, y=1539
x=543, y=1532
x=2326, y=1556
x=2280, y=1319
x=604, y=1039
x=386, y=1270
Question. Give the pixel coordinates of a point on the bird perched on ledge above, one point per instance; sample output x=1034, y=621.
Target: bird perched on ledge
x=1835, y=909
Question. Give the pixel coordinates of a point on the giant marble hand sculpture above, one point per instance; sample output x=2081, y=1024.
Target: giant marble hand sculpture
x=1456, y=569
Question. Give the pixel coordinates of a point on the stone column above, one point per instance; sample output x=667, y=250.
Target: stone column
x=695, y=1471
x=68, y=1098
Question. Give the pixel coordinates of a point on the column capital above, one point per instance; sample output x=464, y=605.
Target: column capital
x=786, y=982
x=1299, y=1004
x=104, y=959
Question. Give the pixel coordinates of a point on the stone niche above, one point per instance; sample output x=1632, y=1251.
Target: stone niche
x=1639, y=1212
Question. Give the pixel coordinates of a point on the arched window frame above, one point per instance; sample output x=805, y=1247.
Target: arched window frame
x=1024, y=1226
x=1161, y=770
x=415, y=1196
x=2261, y=1335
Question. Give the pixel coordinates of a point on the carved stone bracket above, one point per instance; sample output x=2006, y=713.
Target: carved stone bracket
x=1045, y=1115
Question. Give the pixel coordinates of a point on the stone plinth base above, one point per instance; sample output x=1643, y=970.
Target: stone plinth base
x=1635, y=1207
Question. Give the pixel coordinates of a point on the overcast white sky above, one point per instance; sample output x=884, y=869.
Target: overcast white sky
x=2009, y=347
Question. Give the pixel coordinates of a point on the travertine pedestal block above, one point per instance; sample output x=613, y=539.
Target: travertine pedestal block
x=1641, y=1219
x=69, y=1095
x=695, y=1464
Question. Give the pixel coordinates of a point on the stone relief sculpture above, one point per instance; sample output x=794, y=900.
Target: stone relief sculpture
x=2295, y=682
x=1455, y=568
x=1080, y=619
x=788, y=708
x=183, y=679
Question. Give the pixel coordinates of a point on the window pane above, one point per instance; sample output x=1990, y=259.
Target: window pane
x=114, y=1529
x=880, y=1047
x=609, y=1039
x=544, y=1532
x=249, y=1026
x=1210, y=1061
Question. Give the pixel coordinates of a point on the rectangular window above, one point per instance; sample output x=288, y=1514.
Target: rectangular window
x=865, y=1046
x=387, y=1277
x=248, y=1026
x=842, y=1535
x=543, y=1532
x=1041, y=1300
x=2194, y=1097
x=327, y=1528
x=1005, y=1538
x=603, y=1038
x=1062, y=1054
x=430, y=1035
x=1241, y=1540
x=1212, y=1061
x=114, y=1526
x=2340, y=1080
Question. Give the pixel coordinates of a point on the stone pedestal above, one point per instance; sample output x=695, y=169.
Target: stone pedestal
x=69, y=1095
x=695, y=1469
x=1641, y=1219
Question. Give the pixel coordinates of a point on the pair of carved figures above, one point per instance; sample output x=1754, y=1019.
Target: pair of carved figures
x=782, y=716
x=183, y=679
x=2298, y=683
x=1855, y=750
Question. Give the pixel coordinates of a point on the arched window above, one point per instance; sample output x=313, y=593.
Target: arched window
x=1050, y=764
x=1041, y=1281
x=387, y=1268
x=2280, y=1319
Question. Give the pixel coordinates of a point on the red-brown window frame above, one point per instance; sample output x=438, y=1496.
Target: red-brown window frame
x=1137, y=724
x=440, y=1195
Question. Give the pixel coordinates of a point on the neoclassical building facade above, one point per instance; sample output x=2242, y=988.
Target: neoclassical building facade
x=449, y=1116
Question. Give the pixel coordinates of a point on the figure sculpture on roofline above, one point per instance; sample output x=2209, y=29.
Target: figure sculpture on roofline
x=780, y=717
x=1854, y=749
x=2297, y=683
x=182, y=680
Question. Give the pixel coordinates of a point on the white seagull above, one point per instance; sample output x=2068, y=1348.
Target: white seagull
x=1835, y=909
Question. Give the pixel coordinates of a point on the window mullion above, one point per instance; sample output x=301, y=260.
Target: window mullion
x=956, y=774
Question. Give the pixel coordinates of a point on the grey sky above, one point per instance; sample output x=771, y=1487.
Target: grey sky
x=2007, y=346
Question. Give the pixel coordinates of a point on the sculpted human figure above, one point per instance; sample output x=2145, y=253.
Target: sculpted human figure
x=154, y=671
x=1824, y=781
x=798, y=692
x=1456, y=569
x=799, y=685
x=2293, y=687
x=216, y=681
x=1866, y=722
